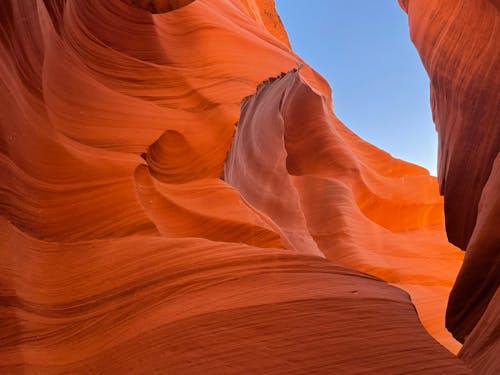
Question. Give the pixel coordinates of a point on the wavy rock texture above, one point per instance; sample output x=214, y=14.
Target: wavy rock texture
x=123, y=251
x=158, y=6
x=333, y=194
x=459, y=43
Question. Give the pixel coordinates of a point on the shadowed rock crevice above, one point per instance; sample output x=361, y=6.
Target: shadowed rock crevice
x=459, y=44
x=158, y=6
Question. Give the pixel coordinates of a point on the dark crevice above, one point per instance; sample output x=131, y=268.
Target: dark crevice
x=158, y=6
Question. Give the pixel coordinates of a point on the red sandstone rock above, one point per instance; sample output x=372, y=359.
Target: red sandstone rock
x=158, y=6
x=482, y=346
x=342, y=197
x=459, y=43
x=123, y=252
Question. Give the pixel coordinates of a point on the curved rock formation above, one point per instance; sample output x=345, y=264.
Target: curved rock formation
x=123, y=251
x=264, y=12
x=459, y=43
x=333, y=194
x=158, y=6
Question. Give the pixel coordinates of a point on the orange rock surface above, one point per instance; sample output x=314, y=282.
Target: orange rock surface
x=142, y=231
x=459, y=43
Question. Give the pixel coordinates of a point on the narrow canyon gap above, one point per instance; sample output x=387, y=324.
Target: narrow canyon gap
x=122, y=250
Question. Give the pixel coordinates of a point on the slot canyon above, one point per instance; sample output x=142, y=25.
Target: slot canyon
x=177, y=196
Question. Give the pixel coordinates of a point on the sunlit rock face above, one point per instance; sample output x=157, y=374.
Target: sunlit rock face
x=264, y=13
x=459, y=43
x=333, y=194
x=153, y=220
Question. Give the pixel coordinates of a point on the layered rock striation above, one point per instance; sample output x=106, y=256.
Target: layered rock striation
x=153, y=220
x=459, y=43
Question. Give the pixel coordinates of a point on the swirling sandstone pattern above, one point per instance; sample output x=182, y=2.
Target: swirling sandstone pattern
x=158, y=6
x=123, y=251
x=459, y=43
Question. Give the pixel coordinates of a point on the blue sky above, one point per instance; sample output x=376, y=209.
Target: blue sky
x=380, y=88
